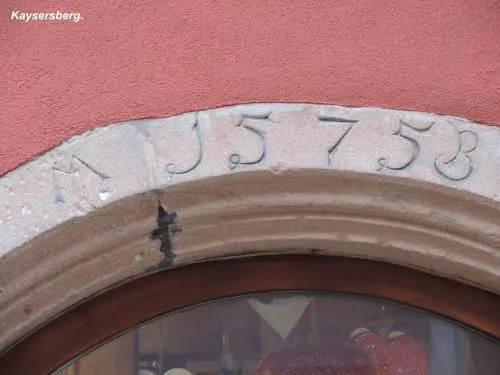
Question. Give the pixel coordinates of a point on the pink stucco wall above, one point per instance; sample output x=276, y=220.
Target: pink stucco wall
x=135, y=59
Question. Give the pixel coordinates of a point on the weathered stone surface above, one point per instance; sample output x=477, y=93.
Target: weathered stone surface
x=121, y=160
x=415, y=189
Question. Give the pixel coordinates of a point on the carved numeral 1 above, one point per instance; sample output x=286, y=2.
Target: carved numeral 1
x=172, y=169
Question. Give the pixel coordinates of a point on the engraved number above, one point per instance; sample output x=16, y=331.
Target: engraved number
x=332, y=150
x=383, y=162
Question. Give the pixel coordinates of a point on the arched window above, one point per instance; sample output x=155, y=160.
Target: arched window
x=293, y=333
x=288, y=315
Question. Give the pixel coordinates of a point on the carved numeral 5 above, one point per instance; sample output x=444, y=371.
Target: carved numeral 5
x=383, y=162
x=235, y=158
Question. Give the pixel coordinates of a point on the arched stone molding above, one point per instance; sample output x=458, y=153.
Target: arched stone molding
x=415, y=189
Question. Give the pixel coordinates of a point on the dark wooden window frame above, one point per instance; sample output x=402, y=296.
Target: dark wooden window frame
x=129, y=304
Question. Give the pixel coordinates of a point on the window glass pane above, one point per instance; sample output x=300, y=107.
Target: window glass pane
x=294, y=334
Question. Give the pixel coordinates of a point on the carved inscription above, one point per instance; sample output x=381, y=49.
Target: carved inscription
x=279, y=139
x=103, y=189
x=335, y=120
x=235, y=159
x=58, y=197
x=171, y=169
x=415, y=146
x=458, y=165
x=454, y=163
x=74, y=161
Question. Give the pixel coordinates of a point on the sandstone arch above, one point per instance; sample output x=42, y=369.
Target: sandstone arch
x=409, y=188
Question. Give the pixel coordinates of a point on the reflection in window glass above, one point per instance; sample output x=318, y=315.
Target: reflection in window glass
x=294, y=334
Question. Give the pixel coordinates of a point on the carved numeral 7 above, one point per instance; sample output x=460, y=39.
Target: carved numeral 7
x=332, y=150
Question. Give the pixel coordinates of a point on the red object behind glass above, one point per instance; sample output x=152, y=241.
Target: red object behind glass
x=406, y=355
x=375, y=346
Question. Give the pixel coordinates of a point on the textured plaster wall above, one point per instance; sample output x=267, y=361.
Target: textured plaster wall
x=140, y=59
